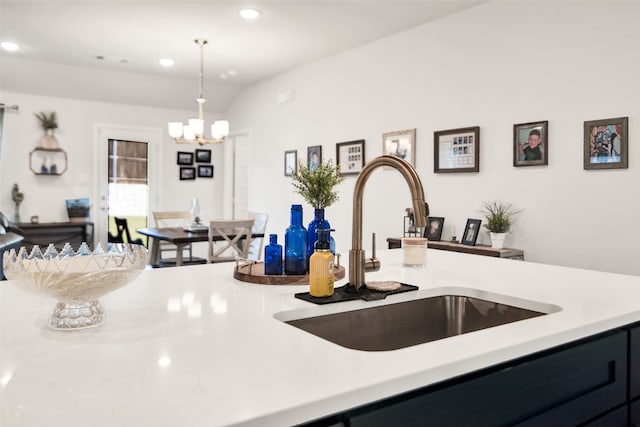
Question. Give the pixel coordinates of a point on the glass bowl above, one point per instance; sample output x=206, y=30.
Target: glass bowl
x=75, y=279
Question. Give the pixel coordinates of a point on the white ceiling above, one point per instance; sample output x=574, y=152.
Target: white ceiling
x=132, y=35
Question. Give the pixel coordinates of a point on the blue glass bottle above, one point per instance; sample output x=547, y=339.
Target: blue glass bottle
x=318, y=223
x=273, y=256
x=295, y=244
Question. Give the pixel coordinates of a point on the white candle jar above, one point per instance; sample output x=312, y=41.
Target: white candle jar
x=414, y=250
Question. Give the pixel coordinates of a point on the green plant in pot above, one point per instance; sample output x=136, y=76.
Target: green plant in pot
x=499, y=218
x=48, y=123
x=317, y=188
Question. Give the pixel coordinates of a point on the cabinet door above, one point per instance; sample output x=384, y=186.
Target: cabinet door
x=561, y=388
x=634, y=363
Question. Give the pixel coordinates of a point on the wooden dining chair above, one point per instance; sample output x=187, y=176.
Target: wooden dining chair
x=175, y=219
x=259, y=227
x=124, y=235
x=233, y=237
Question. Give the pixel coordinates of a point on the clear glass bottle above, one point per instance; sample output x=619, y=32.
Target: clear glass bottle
x=195, y=212
x=295, y=244
x=318, y=223
x=273, y=256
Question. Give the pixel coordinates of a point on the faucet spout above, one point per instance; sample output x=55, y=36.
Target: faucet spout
x=357, y=263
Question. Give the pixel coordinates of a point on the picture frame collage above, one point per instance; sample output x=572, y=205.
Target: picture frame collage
x=194, y=164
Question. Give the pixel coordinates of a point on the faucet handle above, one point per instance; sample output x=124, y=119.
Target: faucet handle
x=373, y=263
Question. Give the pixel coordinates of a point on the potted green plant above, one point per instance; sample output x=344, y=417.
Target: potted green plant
x=317, y=188
x=499, y=218
x=48, y=123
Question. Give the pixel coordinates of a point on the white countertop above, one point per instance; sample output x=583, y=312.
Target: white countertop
x=191, y=346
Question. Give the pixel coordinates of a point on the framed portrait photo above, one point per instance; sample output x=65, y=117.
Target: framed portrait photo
x=203, y=156
x=531, y=144
x=205, y=171
x=456, y=150
x=314, y=157
x=471, y=231
x=433, y=230
x=401, y=143
x=290, y=162
x=350, y=157
x=185, y=158
x=606, y=144
x=187, y=173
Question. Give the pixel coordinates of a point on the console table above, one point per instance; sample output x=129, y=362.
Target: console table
x=57, y=233
x=517, y=254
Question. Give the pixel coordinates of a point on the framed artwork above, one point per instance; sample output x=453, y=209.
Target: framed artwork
x=203, y=156
x=350, y=157
x=187, y=173
x=456, y=150
x=185, y=158
x=606, y=144
x=290, y=162
x=401, y=143
x=205, y=171
x=314, y=157
x=471, y=231
x=531, y=144
x=433, y=230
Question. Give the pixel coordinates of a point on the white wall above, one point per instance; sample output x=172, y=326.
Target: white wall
x=495, y=65
x=45, y=195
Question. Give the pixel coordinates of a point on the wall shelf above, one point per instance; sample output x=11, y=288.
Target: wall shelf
x=48, y=161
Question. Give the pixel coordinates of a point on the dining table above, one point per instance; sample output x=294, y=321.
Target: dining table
x=179, y=237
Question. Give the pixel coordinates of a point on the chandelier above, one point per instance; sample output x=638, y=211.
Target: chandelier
x=193, y=133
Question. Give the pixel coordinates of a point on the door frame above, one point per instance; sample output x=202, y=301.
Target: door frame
x=229, y=172
x=102, y=133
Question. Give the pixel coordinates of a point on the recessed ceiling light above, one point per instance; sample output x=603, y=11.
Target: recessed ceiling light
x=249, y=13
x=166, y=62
x=223, y=76
x=10, y=46
x=232, y=73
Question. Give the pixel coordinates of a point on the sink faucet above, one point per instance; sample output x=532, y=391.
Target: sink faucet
x=357, y=262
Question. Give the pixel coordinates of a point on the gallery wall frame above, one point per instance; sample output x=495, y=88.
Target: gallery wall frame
x=606, y=144
x=400, y=143
x=531, y=144
x=350, y=157
x=205, y=171
x=187, y=173
x=203, y=156
x=184, y=158
x=290, y=162
x=314, y=157
x=456, y=150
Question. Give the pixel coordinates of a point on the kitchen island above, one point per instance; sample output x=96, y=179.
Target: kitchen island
x=191, y=346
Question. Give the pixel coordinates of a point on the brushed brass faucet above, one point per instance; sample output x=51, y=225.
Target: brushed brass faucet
x=358, y=265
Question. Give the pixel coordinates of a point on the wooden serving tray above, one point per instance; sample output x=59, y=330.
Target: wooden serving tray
x=254, y=273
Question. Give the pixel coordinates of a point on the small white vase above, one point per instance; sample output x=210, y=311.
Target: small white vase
x=49, y=140
x=497, y=240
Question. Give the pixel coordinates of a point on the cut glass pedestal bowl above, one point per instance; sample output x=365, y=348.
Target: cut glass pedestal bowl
x=75, y=279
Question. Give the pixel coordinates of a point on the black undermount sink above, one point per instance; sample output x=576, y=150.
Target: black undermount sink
x=403, y=324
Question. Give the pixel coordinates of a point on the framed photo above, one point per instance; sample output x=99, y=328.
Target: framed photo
x=203, y=156
x=531, y=144
x=433, y=230
x=314, y=157
x=471, y=231
x=187, y=173
x=350, y=157
x=401, y=143
x=205, y=171
x=457, y=150
x=290, y=162
x=606, y=144
x=185, y=158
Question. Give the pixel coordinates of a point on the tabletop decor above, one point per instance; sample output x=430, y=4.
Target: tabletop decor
x=456, y=150
x=499, y=218
x=471, y=231
x=75, y=278
x=606, y=144
x=17, y=196
x=531, y=144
